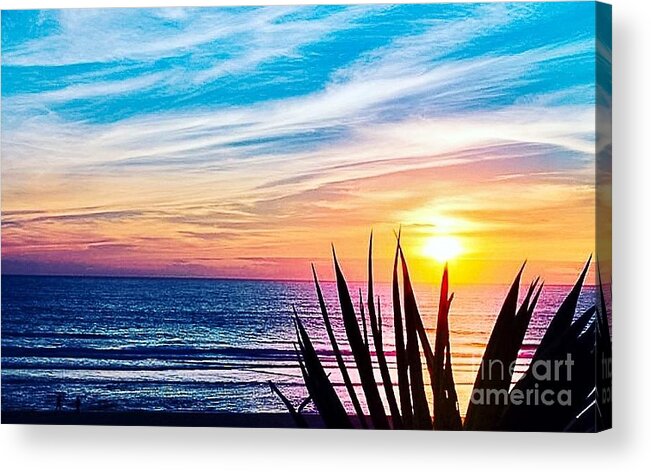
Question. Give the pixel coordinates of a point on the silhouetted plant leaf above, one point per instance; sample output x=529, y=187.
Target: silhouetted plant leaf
x=422, y=416
x=569, y=346
x=296, y=416
x=376, y=331
x=363, y=319
x=563, y=318
x=320, y=388
x=401, y=354
x=501, y=352
x=338, y=355
x=445, y=402
x=360, y=352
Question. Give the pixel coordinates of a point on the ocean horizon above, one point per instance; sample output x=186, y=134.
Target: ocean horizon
x=207, y=345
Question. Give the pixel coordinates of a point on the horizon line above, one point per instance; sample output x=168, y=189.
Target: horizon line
x=253, y=279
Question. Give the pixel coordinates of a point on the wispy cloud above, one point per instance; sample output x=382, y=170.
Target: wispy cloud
x=90, y=36
x=218, y=128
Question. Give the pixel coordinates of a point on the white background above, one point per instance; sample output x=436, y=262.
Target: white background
x=627, y=446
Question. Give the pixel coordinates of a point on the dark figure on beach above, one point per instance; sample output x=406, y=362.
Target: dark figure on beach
x=78, y=404
x=59, y=402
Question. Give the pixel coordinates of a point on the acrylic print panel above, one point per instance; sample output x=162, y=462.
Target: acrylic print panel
x=308, y=216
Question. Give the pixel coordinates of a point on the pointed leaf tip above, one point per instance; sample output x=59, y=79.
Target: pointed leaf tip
x=522, y=268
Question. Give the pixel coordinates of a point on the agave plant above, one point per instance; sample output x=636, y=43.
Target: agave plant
x=581, y=339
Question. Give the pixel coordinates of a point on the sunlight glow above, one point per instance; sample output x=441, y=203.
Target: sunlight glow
x=442, y=248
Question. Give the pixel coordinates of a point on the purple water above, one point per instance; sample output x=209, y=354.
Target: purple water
x=204, y=345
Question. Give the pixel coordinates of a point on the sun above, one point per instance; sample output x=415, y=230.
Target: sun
x=442, y=248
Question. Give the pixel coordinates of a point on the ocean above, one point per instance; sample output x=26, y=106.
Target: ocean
x=205, y=345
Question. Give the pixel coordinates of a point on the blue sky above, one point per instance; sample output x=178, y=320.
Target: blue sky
x=273, y=104
x=99, y=66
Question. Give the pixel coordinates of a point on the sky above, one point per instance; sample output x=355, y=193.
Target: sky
x=242, y=142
